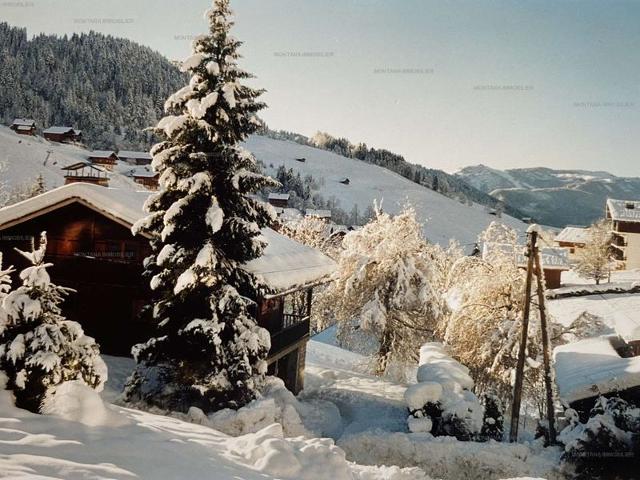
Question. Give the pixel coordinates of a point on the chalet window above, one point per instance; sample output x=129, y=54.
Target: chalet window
x=630, y=206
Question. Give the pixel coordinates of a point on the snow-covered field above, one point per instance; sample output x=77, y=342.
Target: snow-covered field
x=443, y=217
x=364, y=416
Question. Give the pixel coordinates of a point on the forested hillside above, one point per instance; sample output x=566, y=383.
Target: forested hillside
x=110, y=88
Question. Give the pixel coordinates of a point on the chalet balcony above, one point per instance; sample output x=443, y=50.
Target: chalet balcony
x=293, y=331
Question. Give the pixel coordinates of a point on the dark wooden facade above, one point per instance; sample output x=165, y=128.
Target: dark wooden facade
x=85, y=173
x=107, y=161
x=100, y=258
x=148, y=181
x=67, y=136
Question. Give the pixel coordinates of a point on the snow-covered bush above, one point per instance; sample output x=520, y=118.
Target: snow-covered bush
x=382, y=287
x=442, y=402
x=607, y=445
x=493, y=422
x=39, y=348
x=208, y=351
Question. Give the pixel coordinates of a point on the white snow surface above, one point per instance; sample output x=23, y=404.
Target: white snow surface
x=443, y=217
x=591, y=367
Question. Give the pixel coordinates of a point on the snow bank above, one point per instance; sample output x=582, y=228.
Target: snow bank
x=592, y=367
x=444, y=384
x=78, y=402
x=447, y=458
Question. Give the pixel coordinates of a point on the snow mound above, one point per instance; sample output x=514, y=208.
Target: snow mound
x=77, y=402
x=437, y=366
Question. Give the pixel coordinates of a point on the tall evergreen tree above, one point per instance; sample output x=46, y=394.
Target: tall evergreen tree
x=208, y=351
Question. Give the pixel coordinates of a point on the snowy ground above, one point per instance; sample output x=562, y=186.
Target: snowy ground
x=89, y=439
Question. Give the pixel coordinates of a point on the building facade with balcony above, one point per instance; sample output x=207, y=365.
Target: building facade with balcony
x=625, y=229
x=93, y=251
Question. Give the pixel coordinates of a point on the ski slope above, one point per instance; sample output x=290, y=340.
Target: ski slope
x=443, y=217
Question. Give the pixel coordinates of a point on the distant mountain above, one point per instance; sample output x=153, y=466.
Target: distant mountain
x=553, y=197
x=110, y=88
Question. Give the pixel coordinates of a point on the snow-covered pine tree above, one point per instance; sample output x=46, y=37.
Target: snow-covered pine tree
x=39, y=348
x=208, y=351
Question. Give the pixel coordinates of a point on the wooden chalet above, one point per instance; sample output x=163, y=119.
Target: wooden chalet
x=279, y=200
x=145, y=177
x=24, y=126
x=135, y=158
x=104, y=158
x=87, y=173
x=62, y=134
x=322, y=214
x=573, y=238
x=94, y=252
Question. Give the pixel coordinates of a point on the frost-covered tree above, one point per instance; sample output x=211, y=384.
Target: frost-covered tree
x=594, y=259
x=486, y=299
x=208, y=351
x=383, y=288
x=39, y=348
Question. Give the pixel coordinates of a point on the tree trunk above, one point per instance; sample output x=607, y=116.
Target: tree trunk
x=384, y=351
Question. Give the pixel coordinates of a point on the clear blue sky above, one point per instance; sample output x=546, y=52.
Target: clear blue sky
x=446, y=83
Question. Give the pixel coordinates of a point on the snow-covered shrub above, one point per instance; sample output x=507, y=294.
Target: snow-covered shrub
x=442, y=402
x=39, y=348
x=205, y=224
x=493, y=422
x=383, y=287
x=607, y=445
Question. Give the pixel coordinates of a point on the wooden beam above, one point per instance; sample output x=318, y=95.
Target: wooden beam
x=517, y=387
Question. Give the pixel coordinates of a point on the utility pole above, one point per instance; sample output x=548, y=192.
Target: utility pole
x=517, y=387
x=545, y=348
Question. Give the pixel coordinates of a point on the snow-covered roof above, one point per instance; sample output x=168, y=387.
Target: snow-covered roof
x=279, y=196
x=79, y=165
x=136, y=155
x=59, y=130
x=102, y=154
x=551, y=258
x=591, y=367
x=27, y=122
x=624, y=210
x=577, y=235
x=24, y=128
x=142, y=172
x=318, y=213
x=285, y=264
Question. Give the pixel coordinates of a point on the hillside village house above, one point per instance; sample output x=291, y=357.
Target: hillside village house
x=625, y=229
x=322, y=214
x=145, y=177
x=104, y=158
x=24, y=126
x=279, y=200
x=85, y=172
x=94, y=252
x=572, y=238
x=62, y=134
x=135, y=158
x=553, y=260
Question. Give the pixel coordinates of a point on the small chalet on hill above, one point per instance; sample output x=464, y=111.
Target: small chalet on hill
x=94, y=252
x=322, y=214
x=85, y=172
x=24, y=126
x=625, y=229
x=572, y=238
x=145, y=177
x=279, y=200
x=62, y=134
x=105, y=158
x=554, y=261
x=135, y=158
